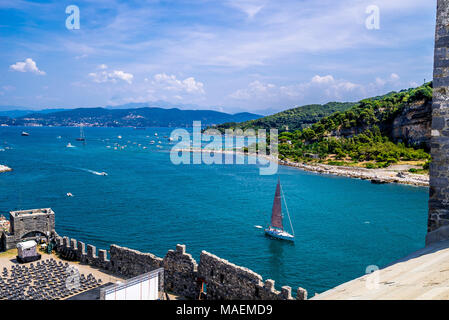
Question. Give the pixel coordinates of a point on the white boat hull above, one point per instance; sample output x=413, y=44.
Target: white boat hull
x=279, y=234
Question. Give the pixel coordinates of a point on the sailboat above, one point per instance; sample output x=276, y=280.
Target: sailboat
x=81, y=138
x=276, y=228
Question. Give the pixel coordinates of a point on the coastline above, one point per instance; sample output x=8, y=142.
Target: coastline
x=378, y=175
x=4, y=168
x=387, y=175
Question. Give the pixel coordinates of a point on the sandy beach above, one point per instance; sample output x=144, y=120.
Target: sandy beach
x=392, y=174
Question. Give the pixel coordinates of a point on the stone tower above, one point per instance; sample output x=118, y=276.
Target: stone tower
x=27, y=225
x=438, y=221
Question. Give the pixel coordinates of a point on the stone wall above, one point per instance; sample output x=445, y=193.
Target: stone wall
x=27, y=225
x=180, y=271
x=130, y=263
x=74, y=250
x=438, y=220
x=182, y=275
x=227, y=281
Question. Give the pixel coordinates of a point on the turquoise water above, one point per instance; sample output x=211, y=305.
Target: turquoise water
x=342, y=225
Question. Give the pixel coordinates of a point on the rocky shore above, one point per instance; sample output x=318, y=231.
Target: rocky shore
x=387, y=175
x=394, y=174
x=4, y=168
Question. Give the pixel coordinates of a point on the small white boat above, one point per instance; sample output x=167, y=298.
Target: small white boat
x=276, y=228
x=25, y=134
x=152, y=142
x=119, y=137
x=69, y=145
x=69, y=194
x=155, y=134
x=58, y=137
x=103, y=174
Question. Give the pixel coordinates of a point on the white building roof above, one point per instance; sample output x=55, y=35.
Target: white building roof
x=26, y=244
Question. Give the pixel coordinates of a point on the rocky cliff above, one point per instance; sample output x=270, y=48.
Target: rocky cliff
x=410, y=126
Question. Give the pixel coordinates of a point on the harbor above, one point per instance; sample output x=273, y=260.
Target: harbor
x=198, y=195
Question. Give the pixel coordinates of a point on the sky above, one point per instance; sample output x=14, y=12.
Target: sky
x=227, y=55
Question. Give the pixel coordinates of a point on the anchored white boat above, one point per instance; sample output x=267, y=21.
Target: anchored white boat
x=69, y=145
x=276, y=228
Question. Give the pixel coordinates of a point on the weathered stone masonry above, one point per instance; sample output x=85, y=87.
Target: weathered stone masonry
x=438, y=221
x=27, y=225
x=223, y=279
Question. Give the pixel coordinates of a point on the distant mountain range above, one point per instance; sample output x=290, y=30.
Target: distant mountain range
x=136, y=116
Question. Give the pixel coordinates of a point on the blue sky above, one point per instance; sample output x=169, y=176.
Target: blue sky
x=229, y=55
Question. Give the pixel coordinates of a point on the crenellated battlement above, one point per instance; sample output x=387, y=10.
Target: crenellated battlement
x=182, y=274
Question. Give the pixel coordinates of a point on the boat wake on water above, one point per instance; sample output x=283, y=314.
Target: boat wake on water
x=94, y=172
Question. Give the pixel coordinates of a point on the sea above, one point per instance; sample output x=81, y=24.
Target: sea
x=342, y=226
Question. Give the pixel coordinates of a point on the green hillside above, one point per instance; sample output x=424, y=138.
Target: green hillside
x=292, y=119
x=371, y=145
x=358, y=134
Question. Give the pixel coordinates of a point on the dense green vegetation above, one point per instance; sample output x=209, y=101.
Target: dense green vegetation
x=378, y=111
x=365, y=143
x=292, y=119
x=369, y=147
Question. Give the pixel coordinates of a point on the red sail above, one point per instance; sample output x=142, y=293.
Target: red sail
x=276, y=214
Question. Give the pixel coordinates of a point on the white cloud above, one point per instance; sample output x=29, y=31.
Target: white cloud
x=81, y=56
x=318, y=86
x=118, y=74
x=171, y=83
x=113, y=76
x=394, y=77
x=26, y=66
x=160, y=86
x=325, y=79
x=250, y=7
x=391, y=80
x=255, y=89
